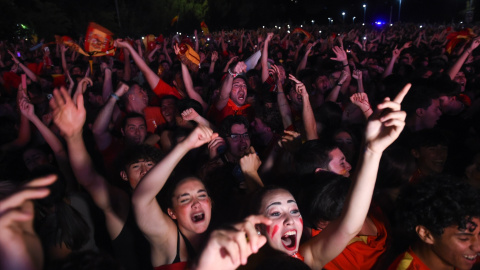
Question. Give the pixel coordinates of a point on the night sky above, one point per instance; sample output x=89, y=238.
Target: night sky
x=419, y=11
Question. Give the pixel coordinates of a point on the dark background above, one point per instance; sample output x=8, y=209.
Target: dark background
x=141, y=17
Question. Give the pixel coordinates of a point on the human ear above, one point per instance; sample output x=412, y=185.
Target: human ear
x=419, y=112
x=425, y=235
x=171, y=214
x=123, y=175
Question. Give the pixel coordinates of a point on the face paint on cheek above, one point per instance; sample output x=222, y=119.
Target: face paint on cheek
x=301, y=221
x=274, y=231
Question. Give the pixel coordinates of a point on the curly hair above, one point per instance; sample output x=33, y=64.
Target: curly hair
x=436, y=203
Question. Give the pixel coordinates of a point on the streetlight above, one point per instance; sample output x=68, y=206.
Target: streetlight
x=399, y=8
x=364, y=12
x=353, y=19
x=343, y=15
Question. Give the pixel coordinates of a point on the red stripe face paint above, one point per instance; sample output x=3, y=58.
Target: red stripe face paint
x=274, y=231
x=301, y=221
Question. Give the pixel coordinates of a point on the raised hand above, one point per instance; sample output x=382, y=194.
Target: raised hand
x=240, y=67
x=299, y=86
x=269, y=37
x=230, y=248
x=199, y=136
x=214, y=57
x=68, y=116
x=120, y=43
x=27, y=108
x=216, y=147
x=385, y=125
x=189, y=114
x=357, y=74
x=340, y=53
x=250, y=162
x=290, y=141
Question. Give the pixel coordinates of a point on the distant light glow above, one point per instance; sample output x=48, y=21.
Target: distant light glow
x=379, y=22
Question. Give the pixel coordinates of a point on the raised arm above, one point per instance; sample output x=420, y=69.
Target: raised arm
x=25, y=69
x=107, y=81
x=307, y=112
x=152, y=77
x=24, y=133
x=70, y=118
x=452, y=72
x=282, y=101
x=191, y=115
x=158, y=227
x=383, y=128
x=303, y=62
x=100, y=131
x=227, y=85
x=187, y=81
x=264, y=60
x=341, y=56
x=127, y=67
x=333, y=96
x=214, y=59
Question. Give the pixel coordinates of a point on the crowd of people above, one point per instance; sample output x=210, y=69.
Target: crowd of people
x=328, y=147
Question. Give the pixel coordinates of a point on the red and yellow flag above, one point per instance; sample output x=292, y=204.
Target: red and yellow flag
x=204, y=27
x=174, y=20
x=98, y=40
x=455, y=37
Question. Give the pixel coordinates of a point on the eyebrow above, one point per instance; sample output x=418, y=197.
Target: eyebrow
x=279, y=203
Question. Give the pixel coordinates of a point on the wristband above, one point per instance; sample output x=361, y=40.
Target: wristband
x=115, y=96
x=339, y=84
x=233, y=74
x=346, y=65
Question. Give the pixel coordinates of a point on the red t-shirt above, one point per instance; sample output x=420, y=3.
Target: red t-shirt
x=231, y=108
x=363, y=251
x=408, y=261
x=163, y=89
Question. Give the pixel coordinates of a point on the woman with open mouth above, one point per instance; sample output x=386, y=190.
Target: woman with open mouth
x=279, y=205
x=176, y=235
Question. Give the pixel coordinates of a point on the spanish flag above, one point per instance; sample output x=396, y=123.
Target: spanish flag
x=98, y=41
x=204, y=27
x=299, y=30
x=455, y=37
x=174, y=20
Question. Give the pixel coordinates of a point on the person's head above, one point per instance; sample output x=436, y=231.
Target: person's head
x=430, y=149
x=136, y=99
x=315, y=156
x=134, y=128
x=422, y=106
x=321, y=200
x=234, y=129
x=322, y=83
x=168, y=104
x=441, y=216
x=286, y=229
x=190, y=205
x=35, y=156
x=448, y=91
x=239, y=91
x=136, y=161
x=346, y=141
x=293, y=96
